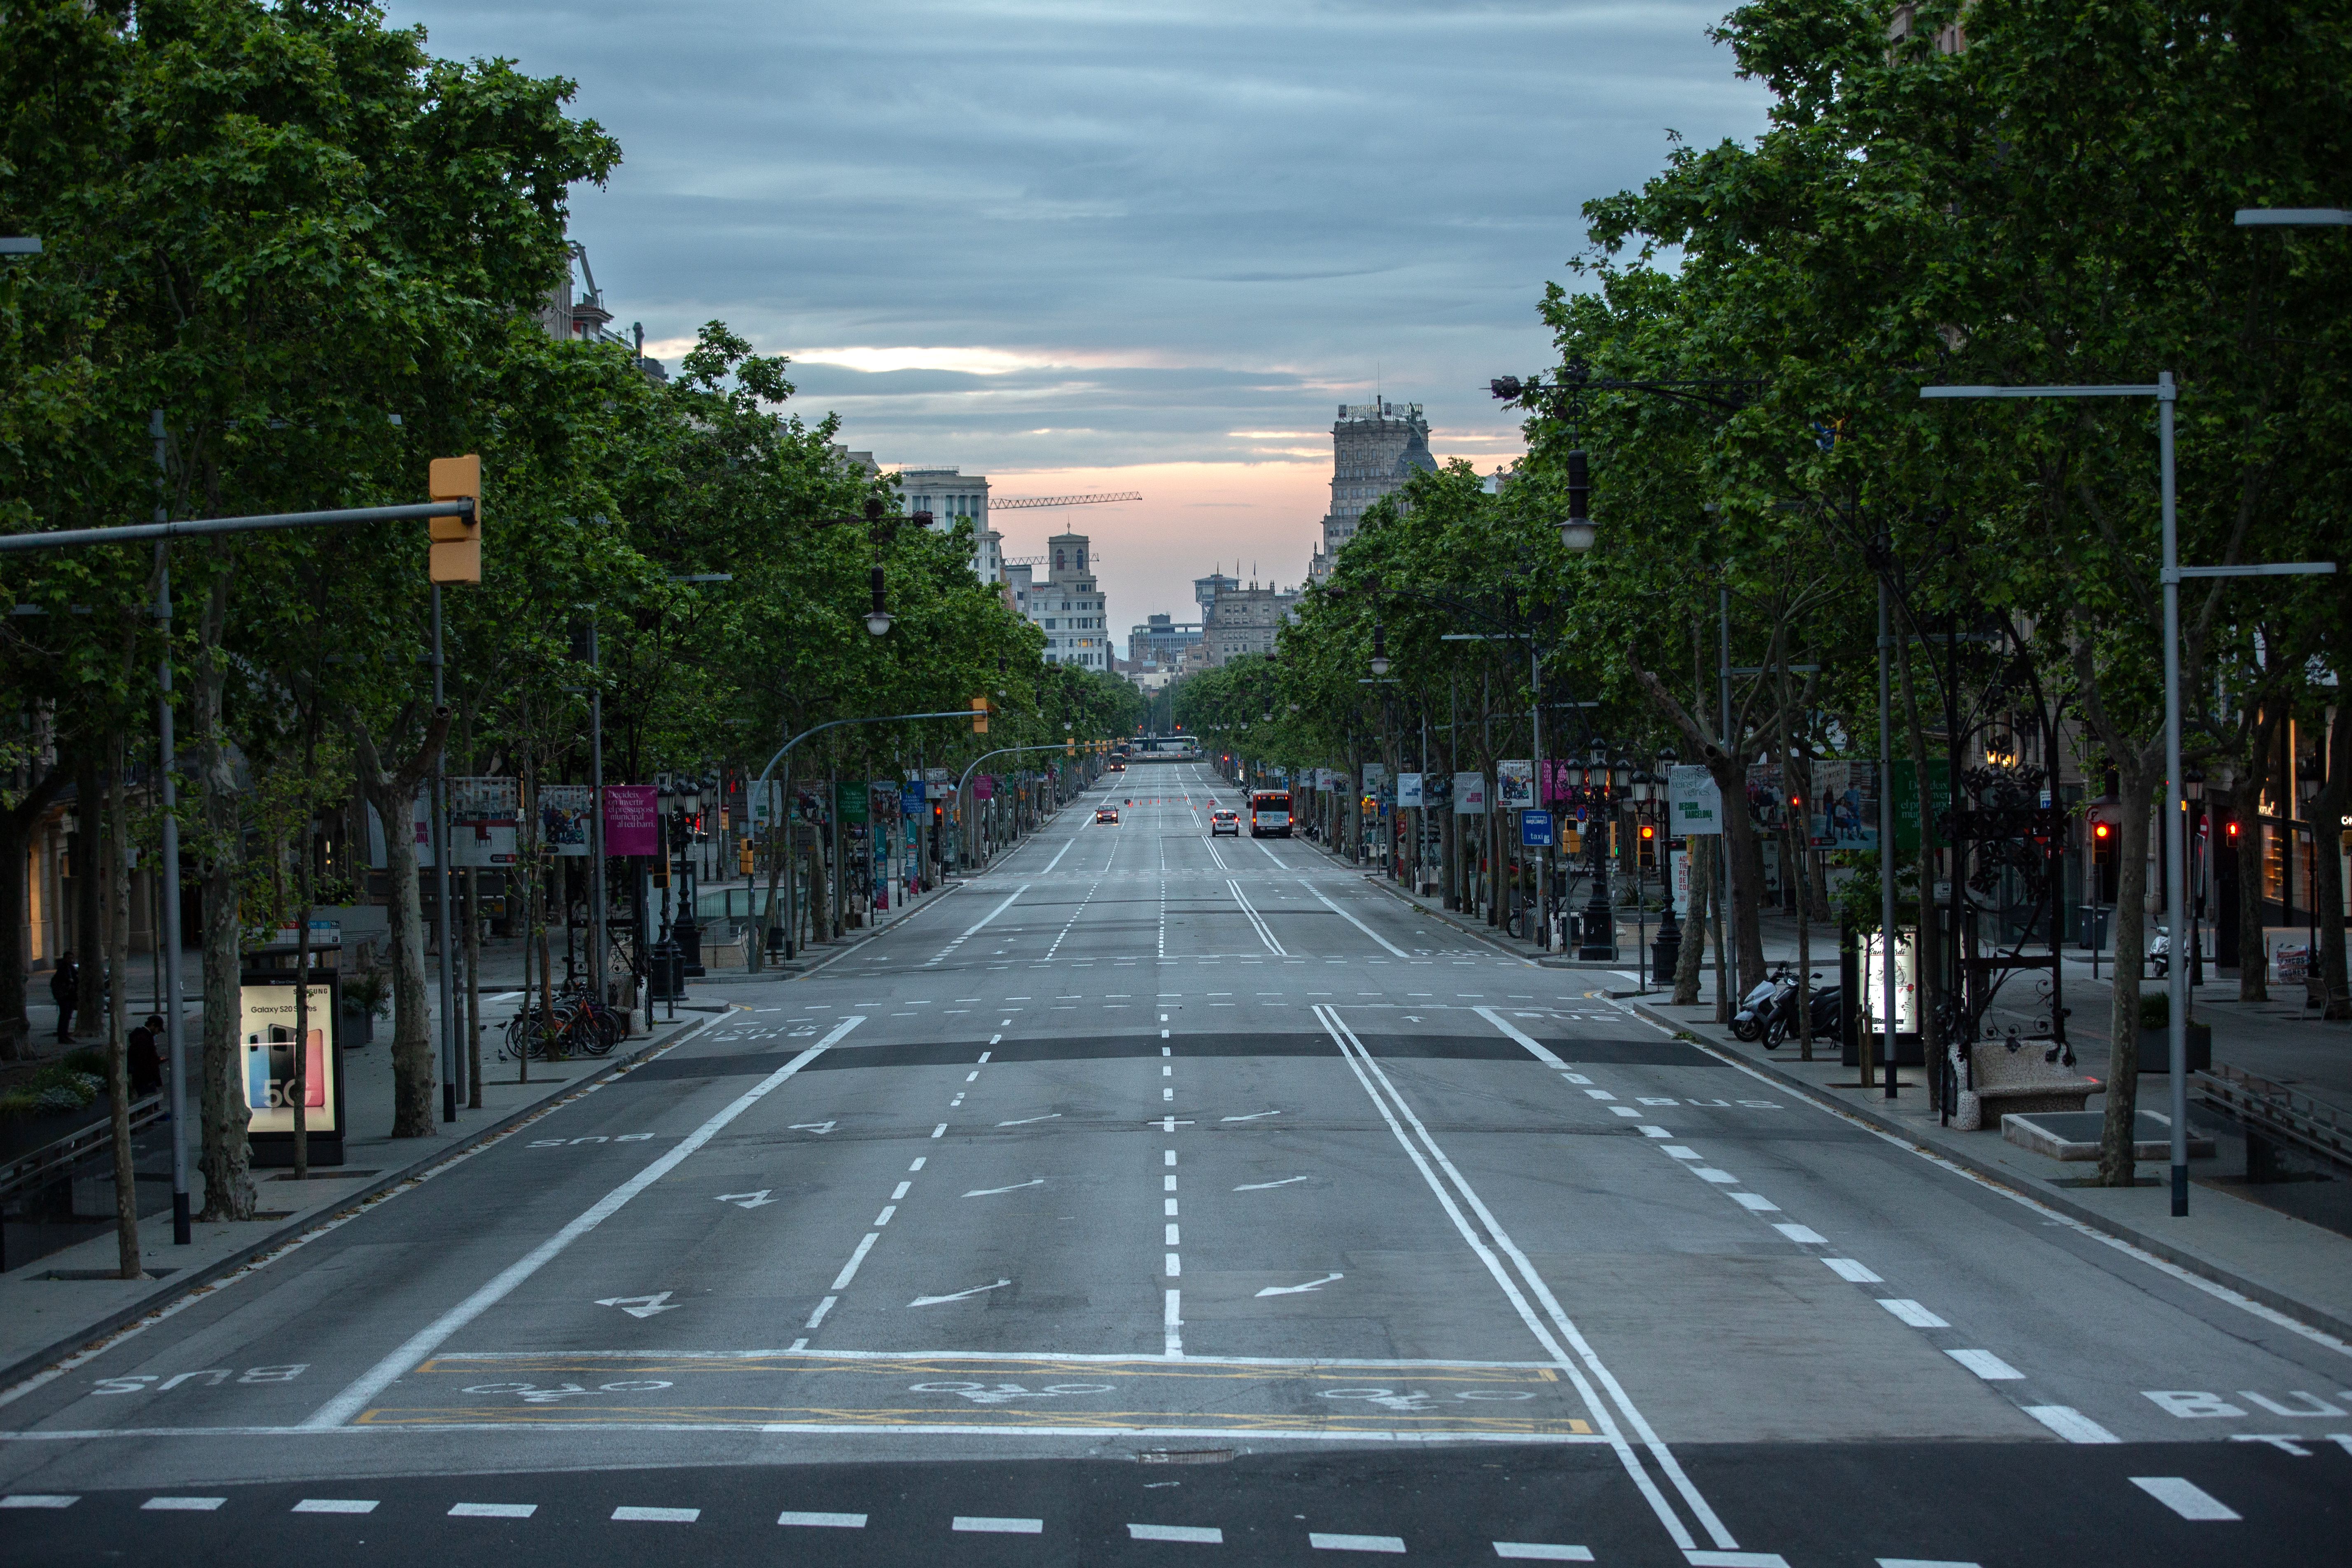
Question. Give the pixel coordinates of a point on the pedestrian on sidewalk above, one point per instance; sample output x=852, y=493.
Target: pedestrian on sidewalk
x=146, y=1057
x=65, y=984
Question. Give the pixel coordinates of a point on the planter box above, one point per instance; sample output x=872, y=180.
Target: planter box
x=359, y=1028
x=2156, y=1050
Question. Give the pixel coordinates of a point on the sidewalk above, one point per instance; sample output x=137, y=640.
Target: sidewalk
x=53, y=1306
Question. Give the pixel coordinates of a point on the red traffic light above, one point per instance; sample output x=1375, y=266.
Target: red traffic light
x=2100, y=830
x=2233, y=830
x=1648, y=832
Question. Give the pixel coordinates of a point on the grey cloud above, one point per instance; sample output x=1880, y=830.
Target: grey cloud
x=1251, y=209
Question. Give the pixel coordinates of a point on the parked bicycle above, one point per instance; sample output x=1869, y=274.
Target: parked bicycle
x=580, y=1024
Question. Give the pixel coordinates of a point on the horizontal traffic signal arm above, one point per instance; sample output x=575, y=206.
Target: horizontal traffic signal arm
x=136, y=533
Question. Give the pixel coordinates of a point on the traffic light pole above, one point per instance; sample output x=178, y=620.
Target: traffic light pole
x=440, y=814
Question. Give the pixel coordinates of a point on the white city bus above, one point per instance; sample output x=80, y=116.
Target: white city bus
x=1270, y=814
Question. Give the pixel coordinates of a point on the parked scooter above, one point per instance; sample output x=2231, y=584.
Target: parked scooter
x=2159, y=953
x=1757, y=1004
x=1826, y=1002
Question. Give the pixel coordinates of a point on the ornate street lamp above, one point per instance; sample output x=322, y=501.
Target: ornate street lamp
x=1666, y=951
x=1379, y=649
x=1576, y=528
x=877, y=620
x=1599, y=934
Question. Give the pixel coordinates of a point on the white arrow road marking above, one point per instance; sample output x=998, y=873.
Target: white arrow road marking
x=992, y=1192
x=355, y=1396
x=748, y=1200
x=1265, y=1186
x=1050, y=1116
x=1295, y=1289
x=641, y=1306
x=819, y=1128
x=935, y=1300
x=1253, y=1116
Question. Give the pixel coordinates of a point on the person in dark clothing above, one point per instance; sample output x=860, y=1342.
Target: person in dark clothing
x=147, y=1058
x=64, y=986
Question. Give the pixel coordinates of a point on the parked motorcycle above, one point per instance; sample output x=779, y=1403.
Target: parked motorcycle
x=1826, y=1003
x=1757, y=1006
x=2159, y=953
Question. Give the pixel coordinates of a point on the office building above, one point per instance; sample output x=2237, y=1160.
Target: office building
x=949, y=495
x=1066, y=604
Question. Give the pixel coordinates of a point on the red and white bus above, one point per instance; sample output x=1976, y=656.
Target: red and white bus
x=1269, y=813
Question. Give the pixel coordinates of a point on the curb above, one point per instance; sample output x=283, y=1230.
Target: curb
x=93, y=1336
x=2009, y=1181
x=1445, y=918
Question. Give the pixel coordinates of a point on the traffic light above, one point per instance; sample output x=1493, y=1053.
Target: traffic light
x=979, y=715
x=456, y=541
x=1069, y=746
x=2102, y=830
x=1649, y=844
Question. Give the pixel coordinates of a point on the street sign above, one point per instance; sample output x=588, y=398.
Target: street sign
x=1535, y=830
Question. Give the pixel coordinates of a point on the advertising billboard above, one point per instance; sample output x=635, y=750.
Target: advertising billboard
x=565, y=815
x=269, y=1048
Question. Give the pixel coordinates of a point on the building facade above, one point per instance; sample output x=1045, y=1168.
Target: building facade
x=949, y=494
x=1159, y=642
x=1066, y=604
x=1375, y=448
x=1244, y=621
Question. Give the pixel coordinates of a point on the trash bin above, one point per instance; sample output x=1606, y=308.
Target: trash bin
x=2093, y=933
x=666, y=972
x=687, y=932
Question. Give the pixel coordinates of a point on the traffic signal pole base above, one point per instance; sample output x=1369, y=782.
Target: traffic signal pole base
x=183, y=1224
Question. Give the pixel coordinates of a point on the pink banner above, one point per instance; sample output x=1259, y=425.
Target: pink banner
x=984, y=787
x=631, y=820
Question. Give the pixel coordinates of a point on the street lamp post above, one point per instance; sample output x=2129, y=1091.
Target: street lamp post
x=1666, y=953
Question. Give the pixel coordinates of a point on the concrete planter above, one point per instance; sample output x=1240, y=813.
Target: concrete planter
x=2156, y=1050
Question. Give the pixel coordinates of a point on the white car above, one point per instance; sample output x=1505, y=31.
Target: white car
x=1224, y=821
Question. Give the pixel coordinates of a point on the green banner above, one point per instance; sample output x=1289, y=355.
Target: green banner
x=1906, y=802
x=849, y=800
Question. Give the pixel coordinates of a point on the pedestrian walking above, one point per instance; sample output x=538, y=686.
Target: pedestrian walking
x=146, y=1048
x=65, y=984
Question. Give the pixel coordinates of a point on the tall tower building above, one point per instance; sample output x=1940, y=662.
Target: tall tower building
x=1375, y=447
x=1067, y=604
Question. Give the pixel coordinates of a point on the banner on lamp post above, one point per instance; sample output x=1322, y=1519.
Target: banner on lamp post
x=1515, y=785
x=1694, y=803
x=1409, y=789
x=1470, y=794
x=565, y=813
x=631, y=820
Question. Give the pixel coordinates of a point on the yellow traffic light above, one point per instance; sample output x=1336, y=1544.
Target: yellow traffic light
x=1070, y=747
x=456, y=541
x=979, y=715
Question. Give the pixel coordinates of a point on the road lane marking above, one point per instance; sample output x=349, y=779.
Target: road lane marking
x=992, y=1192
x=959, y=1295
x=1204, y=1535
x=849, y=1269
x=1909, y=1311
x=492, y=1510
x=340, y=1410
x=1542, y=1053
x=1367, y=1068
x=182, y=1504
x=39, y=1500
x=1851, y=1272
x=982, y=1524
x=2184, y=1498
x=657, y=1515
x=1986, y=1365
x=335, y=1505
x=1542, y=1552
x=1300, y=1290
x=2070, y=1424
x=1172, y=1323
x=1268, y=1186
x=1026, y=1121
x=1325, y=1541
x=823, y=1520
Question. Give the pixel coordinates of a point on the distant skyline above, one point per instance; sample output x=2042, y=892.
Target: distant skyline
x=1073, y=244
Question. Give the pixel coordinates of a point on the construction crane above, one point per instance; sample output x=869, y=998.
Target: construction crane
x=1015, y=503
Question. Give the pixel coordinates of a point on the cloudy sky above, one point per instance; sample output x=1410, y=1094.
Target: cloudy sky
x=1087, y=245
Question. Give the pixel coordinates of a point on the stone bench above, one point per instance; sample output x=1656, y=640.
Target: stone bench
x=2018, y=1081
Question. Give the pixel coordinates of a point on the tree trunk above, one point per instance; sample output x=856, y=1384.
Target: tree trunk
x=117, y=866
x=1927, y=971
x=87, y=854
x=474, y=990
x=2246, y=799
x=2135, y=786
x=1688, y=965
x=392, y=793
x=225, y=1159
